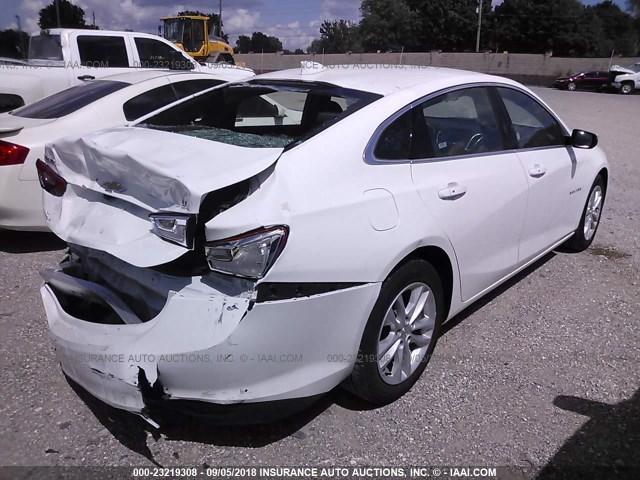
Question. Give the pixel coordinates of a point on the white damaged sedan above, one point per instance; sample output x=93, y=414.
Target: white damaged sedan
x=272, y=239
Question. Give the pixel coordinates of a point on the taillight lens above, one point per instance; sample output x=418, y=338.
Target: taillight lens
x=50, y=180
x=11, y=154
x=250, y=255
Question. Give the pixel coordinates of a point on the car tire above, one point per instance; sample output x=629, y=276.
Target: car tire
x=380, y=385
x=626, y=88
x=590, y=220
x=572, y=87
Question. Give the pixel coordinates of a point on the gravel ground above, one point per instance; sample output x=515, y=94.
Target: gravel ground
x=543, y=372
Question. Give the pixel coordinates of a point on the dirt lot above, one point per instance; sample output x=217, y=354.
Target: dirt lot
x=546, y=371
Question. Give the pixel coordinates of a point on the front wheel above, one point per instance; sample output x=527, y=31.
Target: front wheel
x=400, y=335
x=572, y=87
x=626, y=88
x=590, y=220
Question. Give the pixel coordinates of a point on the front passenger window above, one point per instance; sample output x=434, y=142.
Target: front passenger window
x=533, y=125
x=457, y=123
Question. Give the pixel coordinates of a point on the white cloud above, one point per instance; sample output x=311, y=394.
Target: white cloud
x=240, y=21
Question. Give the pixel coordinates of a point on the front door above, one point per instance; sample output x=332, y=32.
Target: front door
x=550, y=168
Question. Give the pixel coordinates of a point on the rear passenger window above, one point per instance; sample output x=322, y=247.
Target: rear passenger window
x=533, y=125
x=153, y=53
x=458, y=123
x=148, y=102
x=395, y=141
x=103, y=51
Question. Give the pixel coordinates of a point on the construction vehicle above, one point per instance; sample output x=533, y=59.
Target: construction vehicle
x=192, y=33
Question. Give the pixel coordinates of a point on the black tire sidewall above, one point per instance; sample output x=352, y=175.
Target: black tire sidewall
x=375, y=388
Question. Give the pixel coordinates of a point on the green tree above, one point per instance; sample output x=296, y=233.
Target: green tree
x=258, y=42
x=243, y=44
x=71, y=16
x=339, y=36
x=617, y=28
x=388, y=25
x=315, y=47
x=13, y=44
x=447, y=24
x=565, y=27
x=214, y=24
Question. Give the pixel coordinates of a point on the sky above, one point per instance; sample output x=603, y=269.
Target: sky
x=295, y=22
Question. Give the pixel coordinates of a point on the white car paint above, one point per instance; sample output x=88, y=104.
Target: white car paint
x=41, y=77
x=20, y=193
x=352, y=221
x=629, y=76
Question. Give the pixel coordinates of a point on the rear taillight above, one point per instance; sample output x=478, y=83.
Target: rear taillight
x=50, y=180
x=11, y=154
x=249, y=255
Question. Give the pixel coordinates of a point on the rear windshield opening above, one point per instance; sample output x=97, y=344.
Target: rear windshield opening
x=262, y=115
x=45, y=47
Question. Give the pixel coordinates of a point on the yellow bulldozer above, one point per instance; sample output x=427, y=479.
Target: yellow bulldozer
x=192, y=33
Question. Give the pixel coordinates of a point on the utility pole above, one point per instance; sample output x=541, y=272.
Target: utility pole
x=220, y=21
x=479, y=25
x=23, y=50
x=58, y=13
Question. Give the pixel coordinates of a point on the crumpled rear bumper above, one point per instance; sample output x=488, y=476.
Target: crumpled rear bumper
x=211, y=347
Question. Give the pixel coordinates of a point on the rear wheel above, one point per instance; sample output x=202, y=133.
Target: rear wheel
x=400, y=335
x=590, y=220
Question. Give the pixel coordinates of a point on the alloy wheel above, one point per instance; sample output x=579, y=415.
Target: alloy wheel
x=406, y=333
x=592, y=213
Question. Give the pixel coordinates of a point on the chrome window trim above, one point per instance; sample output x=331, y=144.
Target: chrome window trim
x=369, y=152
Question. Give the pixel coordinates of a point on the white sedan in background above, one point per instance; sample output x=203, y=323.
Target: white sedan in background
x=95, y=105
x=238, y=265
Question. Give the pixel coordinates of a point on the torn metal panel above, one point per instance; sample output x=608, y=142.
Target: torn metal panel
x=143, y=167
x=210, y=346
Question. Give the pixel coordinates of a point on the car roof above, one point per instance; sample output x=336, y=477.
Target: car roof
x=377, y=78
x=134, y=77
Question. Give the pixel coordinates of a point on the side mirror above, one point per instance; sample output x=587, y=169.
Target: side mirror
x=583, y=139
x=178, y=61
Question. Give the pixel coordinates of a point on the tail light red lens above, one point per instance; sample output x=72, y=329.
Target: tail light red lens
x=11, y=154
x=50, y=180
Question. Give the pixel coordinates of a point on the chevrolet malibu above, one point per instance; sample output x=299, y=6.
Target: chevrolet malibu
x=222, y=254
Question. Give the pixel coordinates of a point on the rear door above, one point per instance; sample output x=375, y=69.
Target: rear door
x=471, y=183
x=150, y=53
x=99, y=55
x=550, y=168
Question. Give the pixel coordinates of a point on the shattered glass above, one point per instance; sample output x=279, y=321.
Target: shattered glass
x=229, y=137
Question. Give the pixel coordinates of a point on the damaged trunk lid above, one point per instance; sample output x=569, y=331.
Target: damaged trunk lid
x=117, y=178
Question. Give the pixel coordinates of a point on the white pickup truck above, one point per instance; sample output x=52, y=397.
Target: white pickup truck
x=625, y=80
x=62, y=58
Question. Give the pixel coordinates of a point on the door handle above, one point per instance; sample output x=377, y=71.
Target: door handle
x=537, y=171
x=452, y=192
x=86, y=77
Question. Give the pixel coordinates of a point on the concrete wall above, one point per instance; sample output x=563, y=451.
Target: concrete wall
x=532, y=69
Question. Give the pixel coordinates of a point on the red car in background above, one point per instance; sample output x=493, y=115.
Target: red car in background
x=583, y=81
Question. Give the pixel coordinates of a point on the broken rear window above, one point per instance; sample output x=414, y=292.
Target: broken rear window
x=262, y=115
